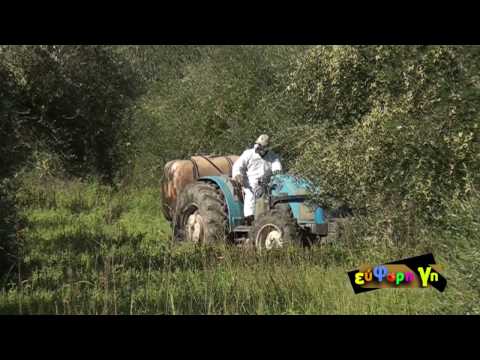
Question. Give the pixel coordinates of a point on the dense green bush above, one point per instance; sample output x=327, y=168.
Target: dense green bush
x=71, y=101
x=12, y=152
x=413, y=137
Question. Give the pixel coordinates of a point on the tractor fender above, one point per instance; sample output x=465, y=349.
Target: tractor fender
x=234, y=205
x=180, y=173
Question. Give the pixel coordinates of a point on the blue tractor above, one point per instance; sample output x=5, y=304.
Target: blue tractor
x=211, y=210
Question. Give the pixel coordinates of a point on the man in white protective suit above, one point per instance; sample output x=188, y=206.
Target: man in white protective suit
x=254, y=165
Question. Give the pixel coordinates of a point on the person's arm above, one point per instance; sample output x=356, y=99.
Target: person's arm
x=240, y=166
x=276, y=165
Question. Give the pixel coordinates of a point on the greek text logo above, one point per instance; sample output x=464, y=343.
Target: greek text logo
x=417, y=272
x=381, y=273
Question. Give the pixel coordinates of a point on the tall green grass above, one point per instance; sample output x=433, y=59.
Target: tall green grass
x=87, y=249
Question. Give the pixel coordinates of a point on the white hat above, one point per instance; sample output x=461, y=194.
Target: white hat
x=263, y=140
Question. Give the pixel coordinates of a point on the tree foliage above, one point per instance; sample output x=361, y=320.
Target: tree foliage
x=70, y=101
x=402, y=123
x=219, y=104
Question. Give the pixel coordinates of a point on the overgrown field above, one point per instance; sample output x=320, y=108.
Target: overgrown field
x=88, y=249
x=85, y=132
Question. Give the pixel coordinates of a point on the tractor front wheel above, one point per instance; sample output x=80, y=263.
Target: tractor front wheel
x=275, y=229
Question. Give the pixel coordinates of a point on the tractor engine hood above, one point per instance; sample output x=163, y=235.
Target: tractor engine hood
x=287, y=188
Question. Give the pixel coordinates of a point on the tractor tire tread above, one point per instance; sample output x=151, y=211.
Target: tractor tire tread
x=283, y=219
x=210, y=205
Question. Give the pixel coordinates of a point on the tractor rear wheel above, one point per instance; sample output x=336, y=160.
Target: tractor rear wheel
x=200, y=215
x=276, y=228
